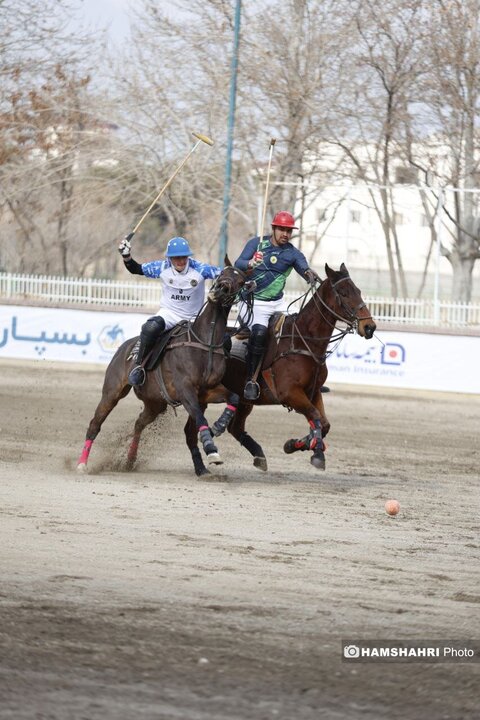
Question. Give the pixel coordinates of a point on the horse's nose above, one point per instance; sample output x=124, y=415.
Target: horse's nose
x=369, y=330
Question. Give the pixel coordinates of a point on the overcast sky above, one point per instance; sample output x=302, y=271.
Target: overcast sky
x=107, y=13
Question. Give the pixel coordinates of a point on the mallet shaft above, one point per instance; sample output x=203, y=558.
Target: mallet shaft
x=267, y=184
x=200, y=138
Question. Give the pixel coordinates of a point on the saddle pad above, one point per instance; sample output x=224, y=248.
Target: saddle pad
x=239, y=348
x=241, y=334
x=132, y=355
x=276, y=322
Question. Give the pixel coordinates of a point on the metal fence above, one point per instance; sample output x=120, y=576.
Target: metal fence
x=145, y=295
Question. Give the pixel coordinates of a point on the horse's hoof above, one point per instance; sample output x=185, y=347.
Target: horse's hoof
x=260, y=463
x=202, y=471
x=289, y=447
x=214, y=459
x=82, y=468
x=318, y=462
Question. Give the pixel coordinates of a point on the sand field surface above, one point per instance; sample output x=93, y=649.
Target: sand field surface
x=156, y=594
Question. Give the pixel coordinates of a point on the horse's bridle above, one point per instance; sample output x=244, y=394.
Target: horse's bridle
x=351, y=321
x=352, y=318
x=229, y=297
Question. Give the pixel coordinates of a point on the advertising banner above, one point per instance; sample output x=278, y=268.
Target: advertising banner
x=69, y=335
x=424, y=361
x=391, y=359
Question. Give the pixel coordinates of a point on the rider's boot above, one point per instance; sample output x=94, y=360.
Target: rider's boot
x=151, y=330
x=255, y=351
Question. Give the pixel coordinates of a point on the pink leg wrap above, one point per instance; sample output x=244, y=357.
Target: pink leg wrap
x=232, y=408
x=203, y=427
x=82, y=460
x=132, y=450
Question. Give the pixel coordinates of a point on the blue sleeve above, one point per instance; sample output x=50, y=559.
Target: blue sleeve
x=247, y=253
x=155, y=268
x=209, y=272
x=300, y=262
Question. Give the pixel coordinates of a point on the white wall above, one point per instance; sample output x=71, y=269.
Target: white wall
x=390, y=359
x=360, y=242
x=351, y=232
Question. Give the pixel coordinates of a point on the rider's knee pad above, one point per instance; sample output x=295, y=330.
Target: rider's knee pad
x=153, y=327
x=258, y=338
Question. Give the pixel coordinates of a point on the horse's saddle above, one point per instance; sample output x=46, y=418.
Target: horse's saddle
x=156, y=353
x=158, y=350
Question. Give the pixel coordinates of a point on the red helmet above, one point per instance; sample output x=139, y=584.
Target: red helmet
x=284, y=219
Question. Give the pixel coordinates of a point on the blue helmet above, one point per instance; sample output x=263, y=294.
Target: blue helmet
x=178, y=247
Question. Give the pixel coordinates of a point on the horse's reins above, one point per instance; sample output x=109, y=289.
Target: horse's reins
x=200, y=344
x=207, y=345
x=319, y=361
x=351, y=321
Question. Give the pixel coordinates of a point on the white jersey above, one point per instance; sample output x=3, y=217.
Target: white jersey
x=183, y=293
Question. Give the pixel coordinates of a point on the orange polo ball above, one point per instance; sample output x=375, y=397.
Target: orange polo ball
x=392, y=507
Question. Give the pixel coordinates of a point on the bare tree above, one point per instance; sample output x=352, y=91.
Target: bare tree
x=80, y=164
x=384, y=67
x=53, y=137
x=287, y=61
x=451, y=95
x=288, y=69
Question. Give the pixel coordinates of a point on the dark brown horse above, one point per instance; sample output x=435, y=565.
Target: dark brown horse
x=193, y=363
x=294, y=368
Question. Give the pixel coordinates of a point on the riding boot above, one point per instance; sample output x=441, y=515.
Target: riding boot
x=255, y=351
x=137, y=375
x=151, y=330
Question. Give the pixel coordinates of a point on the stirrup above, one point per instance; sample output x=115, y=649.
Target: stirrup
x=251, y=390
x=137, y=376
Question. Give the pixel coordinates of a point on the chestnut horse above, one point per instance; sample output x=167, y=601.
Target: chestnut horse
x=193, y=363
x=294, y=367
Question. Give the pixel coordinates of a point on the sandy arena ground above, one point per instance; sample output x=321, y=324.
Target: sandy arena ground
x=154, y=594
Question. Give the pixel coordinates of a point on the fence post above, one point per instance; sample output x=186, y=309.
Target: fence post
x=436, y=286
x=347, y=225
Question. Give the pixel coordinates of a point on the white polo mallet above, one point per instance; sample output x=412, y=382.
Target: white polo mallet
x=267, y=184
x=200, y=139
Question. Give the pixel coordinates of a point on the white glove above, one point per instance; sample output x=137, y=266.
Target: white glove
x=124, y=247
x=257, y=259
